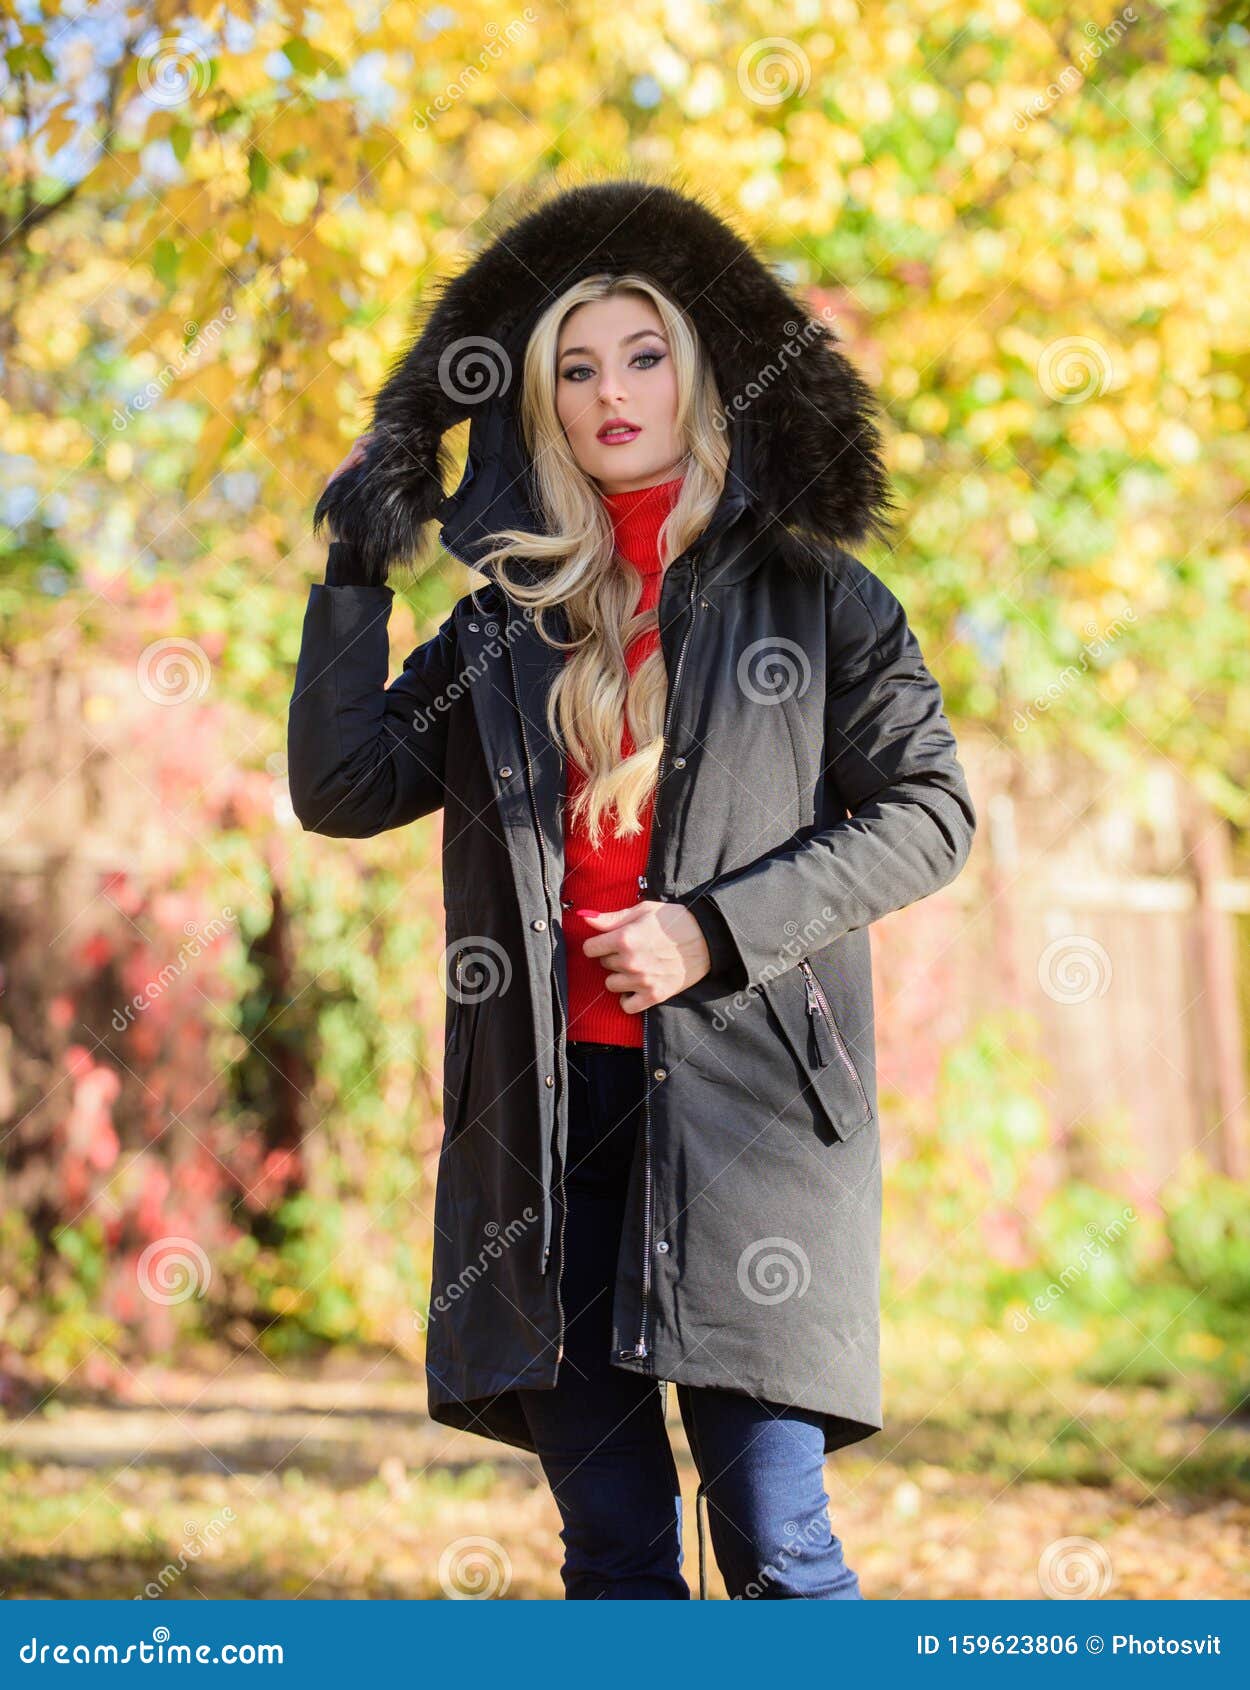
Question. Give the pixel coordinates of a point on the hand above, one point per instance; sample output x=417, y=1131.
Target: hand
x=355, y=456
x=651, y=951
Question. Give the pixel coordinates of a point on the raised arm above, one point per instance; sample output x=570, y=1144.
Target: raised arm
x=363, y=756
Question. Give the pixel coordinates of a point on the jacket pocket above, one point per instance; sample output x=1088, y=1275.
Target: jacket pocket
x=807, y=1021
x=461, y=1024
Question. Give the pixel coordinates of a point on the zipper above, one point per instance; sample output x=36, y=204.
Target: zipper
x=560, y=1036
x=826, y=1028
x=640, y=1348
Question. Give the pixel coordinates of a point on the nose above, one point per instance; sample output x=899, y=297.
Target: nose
x=612, y=387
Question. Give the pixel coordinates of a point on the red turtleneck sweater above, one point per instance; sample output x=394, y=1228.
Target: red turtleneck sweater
x=607, y=879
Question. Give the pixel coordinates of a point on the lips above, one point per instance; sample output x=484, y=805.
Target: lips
x=617, y=434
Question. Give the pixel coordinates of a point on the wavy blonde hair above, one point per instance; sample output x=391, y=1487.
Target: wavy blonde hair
x=600, y=590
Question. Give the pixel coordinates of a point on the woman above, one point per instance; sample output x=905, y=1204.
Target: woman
x=688, y=750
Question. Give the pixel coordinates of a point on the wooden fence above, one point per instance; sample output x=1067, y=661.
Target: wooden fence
x=1108, y=907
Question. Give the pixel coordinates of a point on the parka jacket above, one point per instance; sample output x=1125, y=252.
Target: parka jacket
x=809, y=785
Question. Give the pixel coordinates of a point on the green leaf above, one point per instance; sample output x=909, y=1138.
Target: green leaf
x=303, y=58
x=31, y=59
x=165, y=256
x=257, y=170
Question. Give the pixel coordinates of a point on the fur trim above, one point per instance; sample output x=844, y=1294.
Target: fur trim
x=811, y=453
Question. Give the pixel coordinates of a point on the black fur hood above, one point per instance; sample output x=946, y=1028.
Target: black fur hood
x=805, y=450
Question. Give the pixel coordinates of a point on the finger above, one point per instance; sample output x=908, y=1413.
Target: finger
x=601, y=945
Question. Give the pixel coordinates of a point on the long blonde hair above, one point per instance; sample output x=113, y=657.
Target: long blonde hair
x=600, y=590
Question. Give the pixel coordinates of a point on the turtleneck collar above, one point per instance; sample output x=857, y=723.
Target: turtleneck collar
x=637, y=516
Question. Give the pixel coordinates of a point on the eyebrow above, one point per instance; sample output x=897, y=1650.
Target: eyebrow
x=638, y=334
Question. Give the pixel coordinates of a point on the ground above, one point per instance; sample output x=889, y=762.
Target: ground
x=246, y=1479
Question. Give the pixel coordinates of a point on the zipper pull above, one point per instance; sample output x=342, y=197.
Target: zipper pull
x=820, y=1025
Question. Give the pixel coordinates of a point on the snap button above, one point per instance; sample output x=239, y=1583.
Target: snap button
x=661, y=1073
x=662, y=1246
x=473, y=627
x=549, y=1080
x=505, y=772
x=539, y=926
x=679, y=762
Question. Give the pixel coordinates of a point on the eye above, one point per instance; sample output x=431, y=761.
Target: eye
x=578, y=372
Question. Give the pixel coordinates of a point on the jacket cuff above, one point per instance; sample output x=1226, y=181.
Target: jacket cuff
x=344, y=567
x=727, y=964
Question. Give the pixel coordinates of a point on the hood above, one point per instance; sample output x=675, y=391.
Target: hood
x=804, y=445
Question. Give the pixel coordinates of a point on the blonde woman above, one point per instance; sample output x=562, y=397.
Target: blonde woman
x=687, y=750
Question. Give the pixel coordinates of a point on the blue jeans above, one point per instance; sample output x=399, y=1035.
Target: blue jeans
x=600, y=1433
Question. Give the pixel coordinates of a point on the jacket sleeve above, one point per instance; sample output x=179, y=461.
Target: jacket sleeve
x=363, y=756
x=725, y=965
x=893, y=762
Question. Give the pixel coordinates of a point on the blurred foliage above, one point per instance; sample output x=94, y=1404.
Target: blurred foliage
x=989, y=1231
x=1029, y=224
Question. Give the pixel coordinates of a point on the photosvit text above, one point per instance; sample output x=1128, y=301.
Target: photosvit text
x=1051, y=1643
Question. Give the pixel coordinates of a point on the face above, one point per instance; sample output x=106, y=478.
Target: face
x=614, y=367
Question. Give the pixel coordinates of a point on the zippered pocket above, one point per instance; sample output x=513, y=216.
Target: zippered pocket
x=826, y=1028
x=806, y=1018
